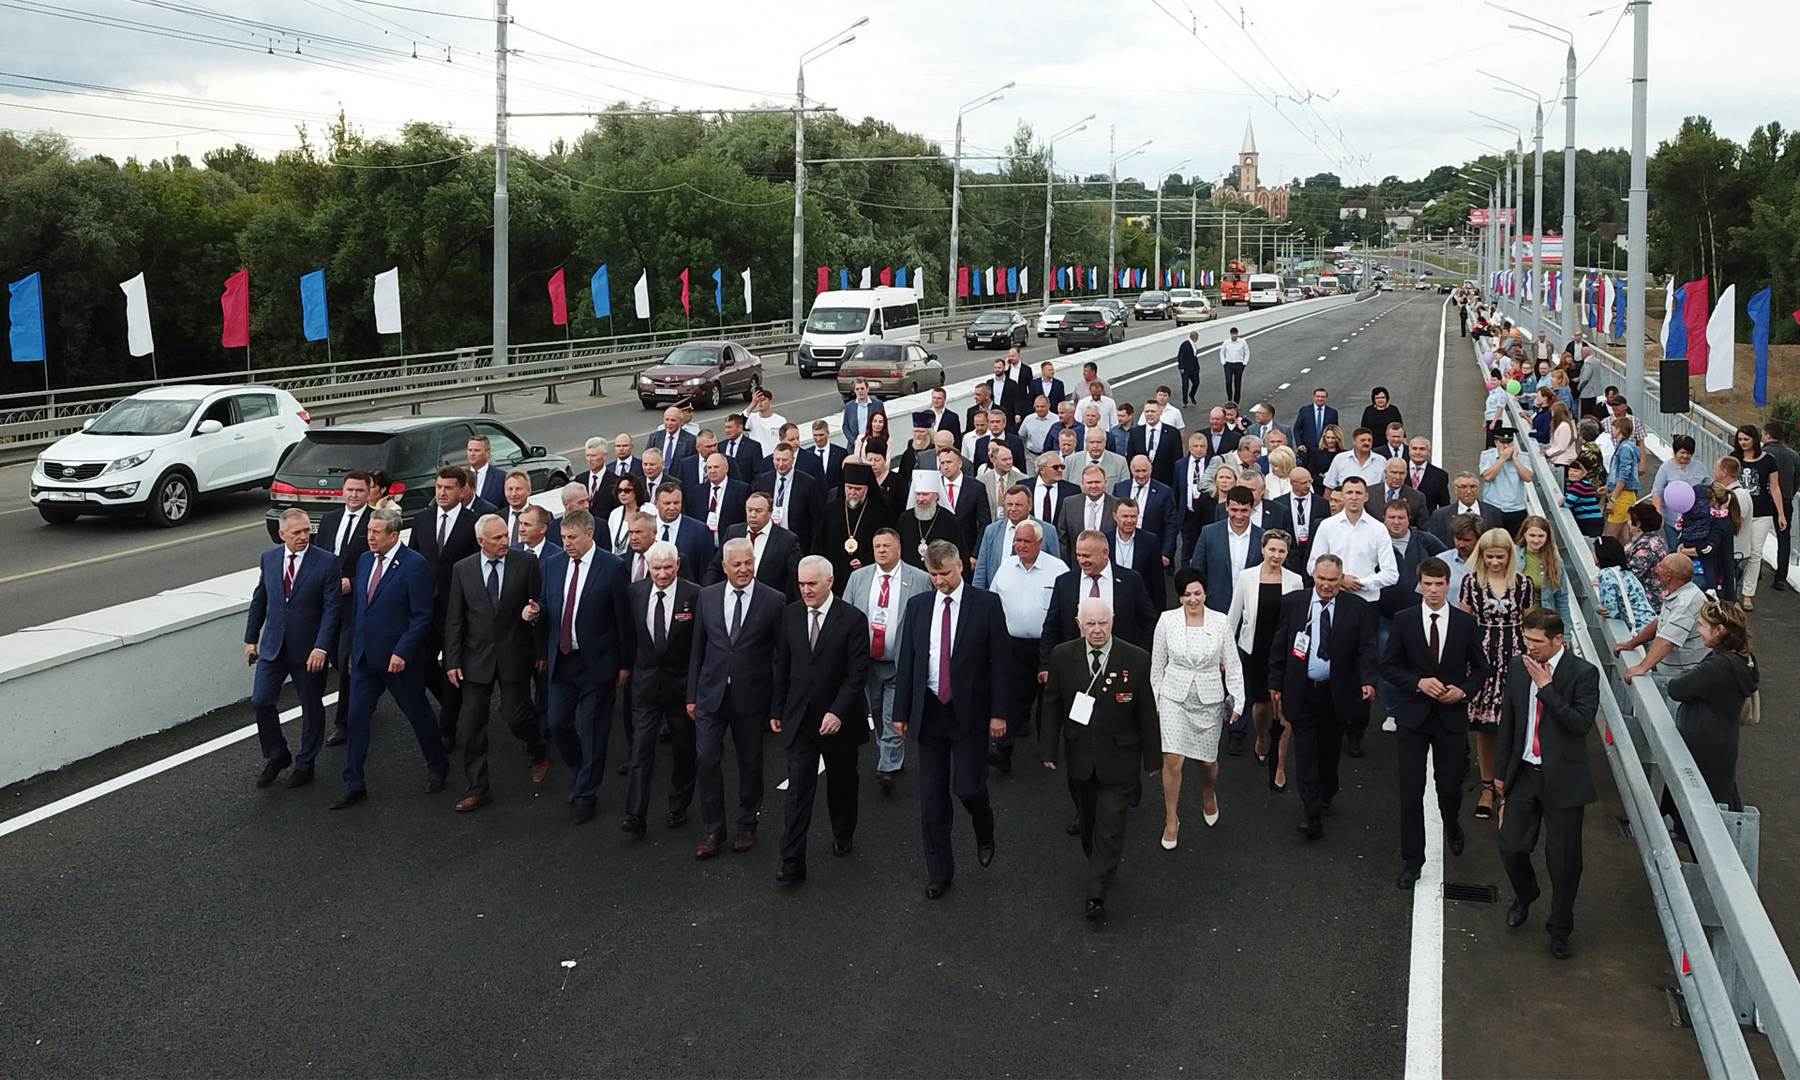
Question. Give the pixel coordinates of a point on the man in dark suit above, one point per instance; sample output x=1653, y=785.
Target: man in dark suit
x=1008, y=392
x=290, y=633
x=393, y=596
x=1542, y=774
x=795, y=499
x=1322, y=670
x=1394, y=489
x=671, y=440
x=1226, y=548
x=1158, y=510
x=718, y=501
x=823, y=460
x=1157, y=441
x=953, y=653
x=486, y=642
x=688, y=534
x=998, y=434
x=1049, y=489
x=963, y=498
x=1101, y=684
x=1187, y=361
x=1221, y=438
x=1424, y=477
x=1091, y=511
x=1138, y=550
x=664, y=603
x=777, y=551
x=1306, y=510
x=1193, y=494
x=1048, y=385
x=1411, y=548
x=1465, y=498
x=820, y=711
x=1434, y=657
x=602, y=474
x=1310, y=424
x=1123, y=590
x=691, y=470
x=445, y=536
x=729, y=689
x=588, y=639
x=487, y=480
x=942, y=418
x=858, y=410
x=743, y=454
x=346, y=530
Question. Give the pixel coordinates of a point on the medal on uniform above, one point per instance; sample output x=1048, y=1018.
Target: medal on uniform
x=923, y=544
x=850, y=546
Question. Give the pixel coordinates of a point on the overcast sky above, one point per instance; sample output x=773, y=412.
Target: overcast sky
x=1388, y=82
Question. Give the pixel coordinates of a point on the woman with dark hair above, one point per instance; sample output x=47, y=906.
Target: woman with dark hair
x=1380, y=413
x=1620, y=593
x=629, y=495
x=380, y=484
x=1759, y=478
x=878, y=429
x=1712, y=696
x=1198, y=681
x=1542, y=418
x=1645, y=547
x=1255, y=609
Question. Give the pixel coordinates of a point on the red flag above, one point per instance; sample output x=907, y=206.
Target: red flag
x=685, y=309
x=1694, y=312
x=559, y=299
x=235, y=305
x=887, y=275
x=962, y=281
x=1797, y=315
x=824, y=279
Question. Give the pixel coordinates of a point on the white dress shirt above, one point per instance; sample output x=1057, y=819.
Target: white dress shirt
x=1531, y=713
x=512, y=522
x=668, y=596
x=1426, y=614
x=1025, y=592
x=1373, y=471
x=1171, y=418
x=1239, y=544
x=535, y=552
x=1365, y=548
x=1109, y=411
x=493, y=567
x=481, y=478
x=345, y=529
x=759, y=542
x=779, y=497
x=1234, y=352
x=445, y=521
x=1093, y=513
x=579, y=568
x=1084, y=587
x=1124, y=547
x=934, y=631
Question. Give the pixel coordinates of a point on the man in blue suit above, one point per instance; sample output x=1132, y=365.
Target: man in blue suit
x=688, y=535
x=717, y=501
x=1047, y=384
x=490, y=479
x=1310, y=424
x=1138, y=550
x=743, y=454
x=858, y=410
x=824, y=459
x=1227, y=547
x=1158, y=511
x=393, y=597
x=291, y=631
x=589, y=642
x=673, y=441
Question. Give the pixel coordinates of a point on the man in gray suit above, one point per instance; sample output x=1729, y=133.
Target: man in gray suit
x=1092, y=512
x=880, y=591
x=1094, y=452
x=997, y=539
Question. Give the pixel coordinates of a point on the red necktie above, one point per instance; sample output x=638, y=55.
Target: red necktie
x=1537, y=745
x=951, y=489
x=878, y=634
x=1418, y=475
x=943, y=691
x=1095, y=591
x=567, y=645
x=287, y=583
x=713, y=506
x=375, y=576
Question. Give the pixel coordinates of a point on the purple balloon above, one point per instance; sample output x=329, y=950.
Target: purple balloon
x=1678, y=497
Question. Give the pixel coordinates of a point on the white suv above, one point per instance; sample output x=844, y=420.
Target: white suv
x=156, y=452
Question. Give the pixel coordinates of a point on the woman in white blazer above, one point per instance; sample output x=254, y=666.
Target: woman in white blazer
x=1255, y=609
x=1196, y=676
x=630, y=496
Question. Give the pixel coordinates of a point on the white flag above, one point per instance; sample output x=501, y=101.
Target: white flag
x=989, y=282
x=387, y=301
x=1721, y=342
x=918, y=282
x=1024, y=279
x=641, y=293
x=137, y=317
x=865, y=277
x=747, y=308
x=1668, y=314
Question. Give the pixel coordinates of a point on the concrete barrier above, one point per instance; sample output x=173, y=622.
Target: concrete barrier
x=79, y=686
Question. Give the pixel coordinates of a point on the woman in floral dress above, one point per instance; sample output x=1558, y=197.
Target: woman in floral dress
x=1498, y=596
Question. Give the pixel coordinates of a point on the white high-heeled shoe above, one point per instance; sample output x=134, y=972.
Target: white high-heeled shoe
x=1210, y=819
x=1168, y=844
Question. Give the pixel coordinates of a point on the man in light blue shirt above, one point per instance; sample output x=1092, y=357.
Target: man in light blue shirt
x=1504, y=474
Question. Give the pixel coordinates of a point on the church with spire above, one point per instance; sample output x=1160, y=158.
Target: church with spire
x=1249, y=189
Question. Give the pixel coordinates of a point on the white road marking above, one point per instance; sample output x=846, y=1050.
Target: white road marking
x=1283, y=386
x=1304, y=370
x=1320, y=357
x=1334, y=348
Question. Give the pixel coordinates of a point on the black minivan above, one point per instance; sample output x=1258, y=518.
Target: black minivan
x=410, y=450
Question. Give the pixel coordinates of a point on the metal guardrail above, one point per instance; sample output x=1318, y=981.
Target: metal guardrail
x=1732, y=968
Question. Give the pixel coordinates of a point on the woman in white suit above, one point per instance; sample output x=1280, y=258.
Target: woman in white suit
x=630, y=497
x=1196, y=676
x=1255, y=609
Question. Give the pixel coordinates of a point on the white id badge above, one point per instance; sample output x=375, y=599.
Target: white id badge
x=1302, y=642
x=1081, y=710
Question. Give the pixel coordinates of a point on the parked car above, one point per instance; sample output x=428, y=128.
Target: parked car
x=841, y=320
x=1050, y=319
x=1115, y=308
x=892, y=368
x=1293, y=294
x=410, y=450
x=997, y=330
x=157, y=452
x=706, y=371
x=1444, y=287
x=1152, y=305
x=1086, y=327
x=1195, y=308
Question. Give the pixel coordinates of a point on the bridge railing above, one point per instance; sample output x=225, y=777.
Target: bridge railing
x=1732, y=969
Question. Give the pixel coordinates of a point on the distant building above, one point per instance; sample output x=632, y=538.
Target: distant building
x=1616, y=232
x=1354, y=208
x=1271, y=201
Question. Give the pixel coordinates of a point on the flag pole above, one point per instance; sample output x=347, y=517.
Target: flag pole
x=154, y=377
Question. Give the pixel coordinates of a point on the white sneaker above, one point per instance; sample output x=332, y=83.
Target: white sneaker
x=1389, y=725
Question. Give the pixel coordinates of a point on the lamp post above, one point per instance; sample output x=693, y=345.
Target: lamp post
x=1537, y=189
x=956, y=185
x=842, y=37
x=1637, y=236
x=1514, y=257
x=1565, y=292
x=1112, y=215
x=1050, y=187
x=1496, y=190
x=1170, y=171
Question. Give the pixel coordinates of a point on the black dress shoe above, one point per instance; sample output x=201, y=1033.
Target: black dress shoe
x=350, y=798
x=1780, y=584
x=1000, y=759
x=1355, y=746
x=581, y=813
x=1096, y=910
x=791, y=873
x=885, y=780
x=1311, y=829
x=272, y=768
x=1454, y=837
x=634, y=825
x=1560, y=947
x=841, y=848
x=1516, y=915
x=300, y=777
x=984, y=853
x=435, y=783
x=677, y=818
x=1073, y=828
x=936, y=889
x=1409, y=876
x=337, y=737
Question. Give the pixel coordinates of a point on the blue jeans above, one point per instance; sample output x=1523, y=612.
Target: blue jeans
x=880, y=691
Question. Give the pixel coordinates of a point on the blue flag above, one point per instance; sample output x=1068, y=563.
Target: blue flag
x=26, y=310
x=844, y=279
x=1759, y=340
x=975, y=283
x=1012, y=279
x=315, y=324
x=1618, y=327
x=719, y=289
x=900, y=278
x=1677, y=347
x=601, y=287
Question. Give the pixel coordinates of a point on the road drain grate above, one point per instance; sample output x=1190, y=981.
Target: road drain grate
x=1474, y=894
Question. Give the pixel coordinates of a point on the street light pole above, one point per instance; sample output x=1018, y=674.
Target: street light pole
x=1112, y=210
x=1537, y=190
x=1637, y=267
x=956, y=186
x=799, y=288
x=502, y=213
x=1049, y=189
x=1565, y=291
x=1160, y=181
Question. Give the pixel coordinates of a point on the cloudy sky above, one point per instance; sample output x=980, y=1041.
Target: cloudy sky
x=1361, y=89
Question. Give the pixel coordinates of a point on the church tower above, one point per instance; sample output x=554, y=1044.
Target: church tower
x=1247, y=179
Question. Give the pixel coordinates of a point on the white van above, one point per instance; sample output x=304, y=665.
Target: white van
x=840, y=321
x=1265, y=290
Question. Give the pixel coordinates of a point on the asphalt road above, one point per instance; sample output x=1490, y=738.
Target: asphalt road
x=192, y=924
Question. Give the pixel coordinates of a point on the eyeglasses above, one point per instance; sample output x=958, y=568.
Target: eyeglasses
x=1056, y=468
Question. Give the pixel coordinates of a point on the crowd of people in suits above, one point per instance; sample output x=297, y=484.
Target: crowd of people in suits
x=1097, y=582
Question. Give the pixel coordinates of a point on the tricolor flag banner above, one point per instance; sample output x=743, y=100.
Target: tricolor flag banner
x=1721, y=341
x=234, y=307
x=1693, y=312
x=748, y=306
x=686, y=302
x=900, y=276
x=640, y=295
x=25, y=309
x=1759, y=342
x=600, y=285
x=557, y=287
x=865, y=282
x=718, y=276
x=315, y=323
x=1093, y=278
x=387, y=301
x=824, y=279
x=139, y=341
